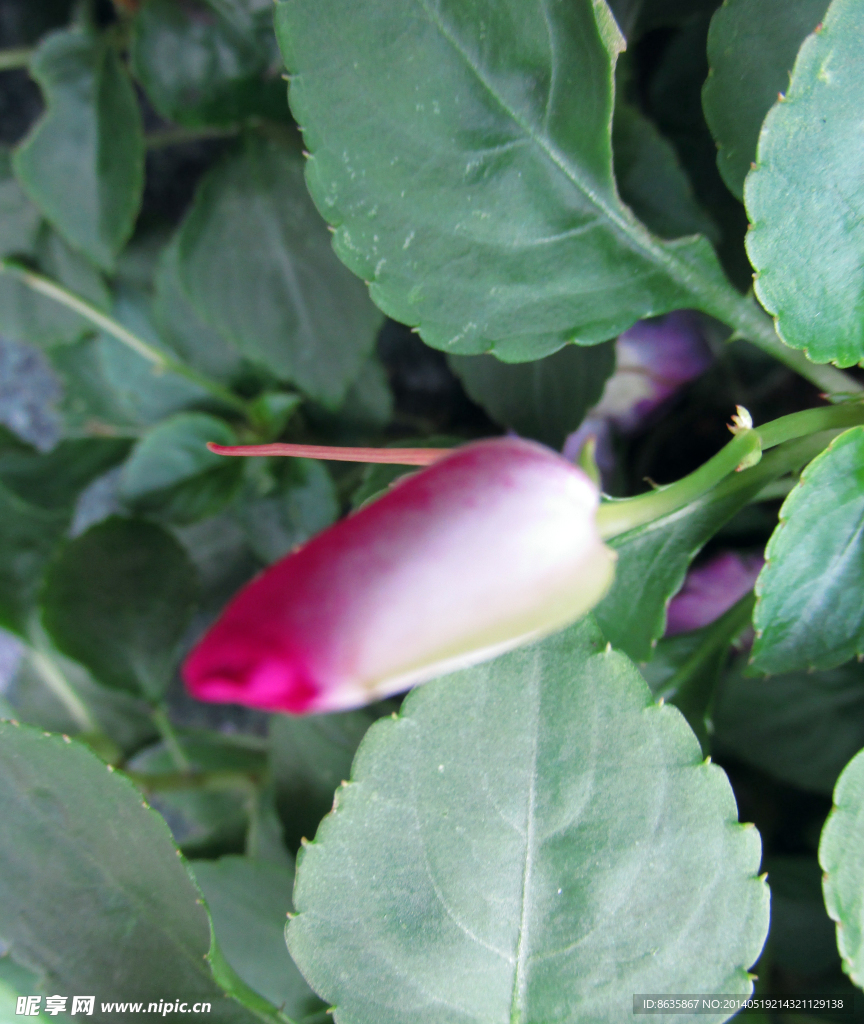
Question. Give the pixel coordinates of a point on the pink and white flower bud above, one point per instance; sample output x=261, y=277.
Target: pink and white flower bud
x=492, y=546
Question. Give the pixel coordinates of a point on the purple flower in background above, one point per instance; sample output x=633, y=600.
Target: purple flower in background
x=653, y=360
x=711, y=589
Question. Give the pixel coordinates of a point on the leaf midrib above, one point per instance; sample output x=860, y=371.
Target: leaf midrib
x=519, y=975
x=635, y=234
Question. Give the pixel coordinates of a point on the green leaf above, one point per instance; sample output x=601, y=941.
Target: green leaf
x=809, y=613
x=37, y=494
x=752, y=45
x=545, y=400
x=841, y=855
x=28, y=317
x=15, y=981
x=119, y=599
x=19, y=218
x=83, y=163
x=92, y=892
x=33, y=693
x=206, y=817
x=172, y=474
x=368, y=402
x=802, y=936
x=56, y=478
x=805, y=199
x=533, y=839
x=198, y=69
x=653, y=561
x=28, y=536
x=113, y=386
x=181, y=328
x=799, y=727
x=686, y=668
x=285, y=504
x=249, y=902
x=466, y=185
x=256, y=261
x=651, y=180
x=309, y=758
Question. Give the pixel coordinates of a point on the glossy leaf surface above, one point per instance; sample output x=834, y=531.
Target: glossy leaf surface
x=112, y=889
x=119, y=599
x=752, y=46
x=532, y=839
x=88, y=144
x=805, y=198
x=463, y=181
x=544, y=400
x=809, y=613
x=287, y=304
x=841, y=854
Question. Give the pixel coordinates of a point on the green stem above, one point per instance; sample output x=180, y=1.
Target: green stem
x=17, y=58
x=691, y=688
x=161, y=361
x=169, y=738
x=750, y=322
x=810, y=421
x=618, y=516
x=62, y=689
x=165, y=137
x=171, y=782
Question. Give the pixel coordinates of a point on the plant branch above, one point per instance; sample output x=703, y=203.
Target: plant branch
x=17, y=58
x=178, y=136
x=62, y=689
x=617, y=516
x=172, y=782
x=691, y=687
x=160, y=361
x=751, y=323
x=169, y=738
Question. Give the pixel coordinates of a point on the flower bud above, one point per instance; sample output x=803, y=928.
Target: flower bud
x=493, y=546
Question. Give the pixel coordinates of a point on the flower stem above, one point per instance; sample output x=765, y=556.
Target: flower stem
x=750, y=322
x=62, y=689
x=169, y=738
x=17, y=58
x=618, y=516
x=691, y=688
x=160, y=361
x=164, y=137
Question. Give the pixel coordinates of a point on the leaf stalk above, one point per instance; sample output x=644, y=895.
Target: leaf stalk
x=160, y=361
